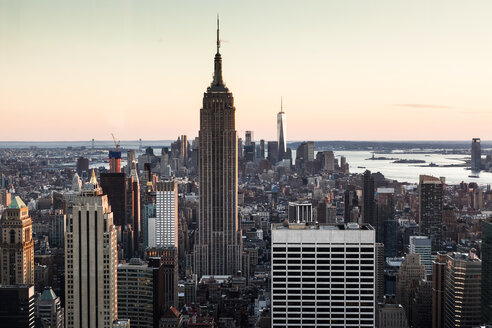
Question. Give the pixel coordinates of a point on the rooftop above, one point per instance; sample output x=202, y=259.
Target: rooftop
x=321, y=226
x=48, y=295
x=17, y=203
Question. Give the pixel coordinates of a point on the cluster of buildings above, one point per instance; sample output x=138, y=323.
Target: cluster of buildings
x=230, y=233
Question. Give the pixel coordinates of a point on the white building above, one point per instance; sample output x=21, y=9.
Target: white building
x=91, y=261
x=166, y=222
x=323, y=275
x=422, y=245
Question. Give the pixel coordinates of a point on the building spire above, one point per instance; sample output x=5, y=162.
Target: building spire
x=218, y=82
x=218, y=30
x=281, y=105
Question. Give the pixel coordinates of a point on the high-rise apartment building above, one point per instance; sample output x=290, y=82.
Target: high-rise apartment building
x=166, y=221
x=462, y=294
x=91, y=261
x=281, y=133
x=422, y=245
x=476, y=155
x=218, y=249
x=431, y=193
x=323, y=275
x=487, y=271
x=17, y=247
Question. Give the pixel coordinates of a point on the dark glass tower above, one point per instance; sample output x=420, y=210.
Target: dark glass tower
x=431, y=194
x=219, y=245
x=368, y=205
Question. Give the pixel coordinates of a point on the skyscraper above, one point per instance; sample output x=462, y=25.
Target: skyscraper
x=487, y=271
x=368, y=203
x=462, y=294
x=166, y=221
x=323, y=275
x=219, y=244
x=438, y=289
x=17, y=248
x=281, y=132
x=91, y=261
x=272, y=155
x=476, y=155
x=133, y=206
x=386, y=226
x=114, y=185
x=430, y=209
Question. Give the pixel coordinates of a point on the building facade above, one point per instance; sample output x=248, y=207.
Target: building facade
x=219, y=243
x=462, y=294
x=166, y=222
x=431, y=194
x=323, y=275
x=141, y=292
x=17, y=247
x=422, y=245
x=17, y=306
x=91, y=261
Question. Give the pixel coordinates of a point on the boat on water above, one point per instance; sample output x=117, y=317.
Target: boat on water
x=473, y=176
x=361, y=167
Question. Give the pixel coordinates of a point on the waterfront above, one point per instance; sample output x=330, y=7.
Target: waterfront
x=359, y=162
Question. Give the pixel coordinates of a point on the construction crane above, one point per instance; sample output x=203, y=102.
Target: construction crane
x=116, y=143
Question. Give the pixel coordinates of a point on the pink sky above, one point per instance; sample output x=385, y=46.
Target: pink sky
x=386, y=70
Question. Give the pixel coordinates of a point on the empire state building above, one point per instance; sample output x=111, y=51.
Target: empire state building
x=218, y=250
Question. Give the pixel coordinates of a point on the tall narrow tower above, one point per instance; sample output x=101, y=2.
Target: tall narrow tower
x=91, y=260
x=281, y=130
x=17, y=247
x=219, y=245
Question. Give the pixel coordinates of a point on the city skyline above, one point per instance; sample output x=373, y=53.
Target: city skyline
x=383, y=71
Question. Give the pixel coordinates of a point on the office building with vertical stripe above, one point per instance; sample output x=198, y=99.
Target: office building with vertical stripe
x=91, y=261
x=323, y=275
x=166, y=220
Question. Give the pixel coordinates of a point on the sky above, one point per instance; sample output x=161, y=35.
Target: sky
x=347, y=70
